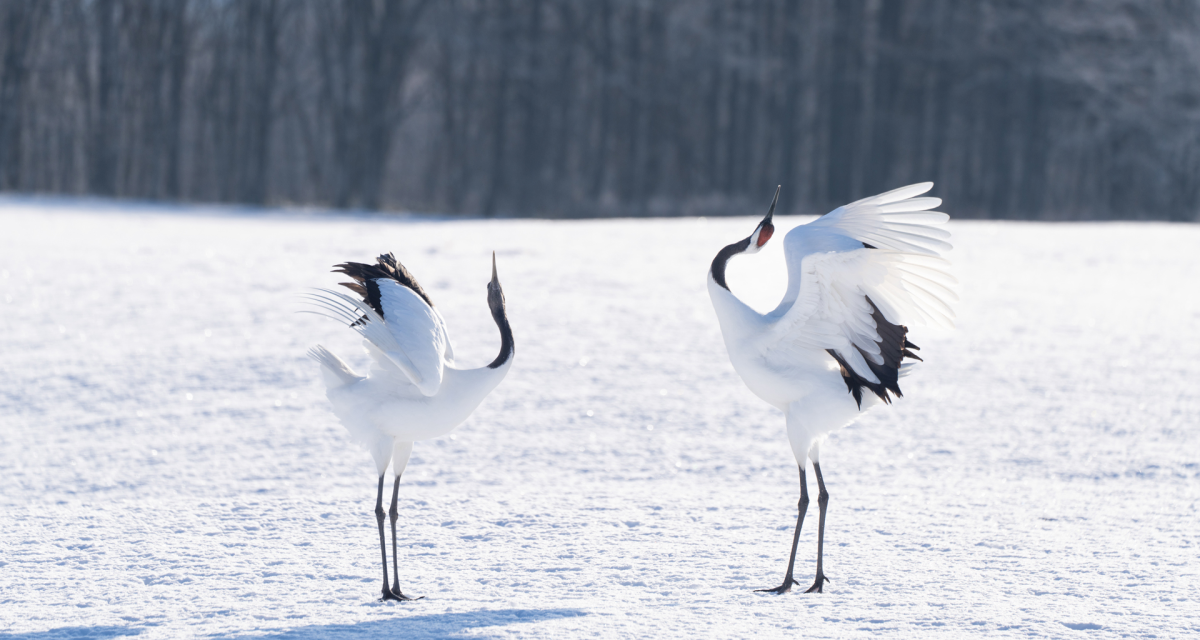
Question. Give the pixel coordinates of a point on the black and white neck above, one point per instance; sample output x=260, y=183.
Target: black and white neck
x=751, y=244
x=500, y=315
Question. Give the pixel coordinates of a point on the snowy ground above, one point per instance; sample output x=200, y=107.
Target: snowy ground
x=169, y=466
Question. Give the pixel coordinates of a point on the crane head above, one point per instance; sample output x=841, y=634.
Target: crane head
x=495, y=293
x=765, y=229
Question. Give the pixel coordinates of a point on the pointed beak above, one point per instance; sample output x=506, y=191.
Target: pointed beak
x=765, y=228
x=771, y=211
x=495, y=278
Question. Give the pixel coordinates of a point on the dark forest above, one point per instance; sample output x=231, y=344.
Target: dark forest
x=559, y=108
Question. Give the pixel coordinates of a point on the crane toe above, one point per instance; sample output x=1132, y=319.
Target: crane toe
x=818, y=584
x=396, y=594
x=781, y=589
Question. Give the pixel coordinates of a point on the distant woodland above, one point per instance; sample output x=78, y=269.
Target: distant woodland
x=565, y=108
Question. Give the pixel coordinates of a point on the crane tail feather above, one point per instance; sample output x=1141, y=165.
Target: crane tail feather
x=334, y=370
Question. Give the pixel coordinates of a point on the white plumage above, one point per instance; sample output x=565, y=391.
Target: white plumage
x=414, y=391
x=858, y=277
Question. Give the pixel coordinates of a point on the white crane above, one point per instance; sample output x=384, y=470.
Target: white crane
x=857, y=277
x=414, y=391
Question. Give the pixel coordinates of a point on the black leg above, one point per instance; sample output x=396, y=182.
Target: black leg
x=803, y=507
x=822, y=501
x=379, y=514
x=393, y=515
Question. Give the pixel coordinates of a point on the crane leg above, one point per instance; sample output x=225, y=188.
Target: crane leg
x=788, y=581
x=822, y=501
x=393, y=514
x=379, y=515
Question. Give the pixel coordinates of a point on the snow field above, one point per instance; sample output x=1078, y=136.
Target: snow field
x=169, y=466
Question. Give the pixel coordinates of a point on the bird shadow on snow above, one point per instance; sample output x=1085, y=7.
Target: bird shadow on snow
x=73, y=633
x=439, y=625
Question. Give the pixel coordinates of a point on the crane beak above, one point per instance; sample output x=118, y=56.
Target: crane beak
x=495, y=278
x=765, y=228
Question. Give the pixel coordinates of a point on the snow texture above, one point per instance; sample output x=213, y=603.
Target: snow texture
x=170, y=467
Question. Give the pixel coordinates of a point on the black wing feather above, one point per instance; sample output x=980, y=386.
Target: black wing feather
x=366, y=274
x=894, y=347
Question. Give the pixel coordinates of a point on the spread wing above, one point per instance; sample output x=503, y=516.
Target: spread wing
x=406, y=334
x=857, y=277
x=419, y=332
x=895, y=220
x=406, y=337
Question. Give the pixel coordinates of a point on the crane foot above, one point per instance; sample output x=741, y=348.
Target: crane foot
x=781, y=589
x=395, y=594
x=818, y=584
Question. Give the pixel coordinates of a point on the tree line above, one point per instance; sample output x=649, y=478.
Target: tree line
x=564, y=108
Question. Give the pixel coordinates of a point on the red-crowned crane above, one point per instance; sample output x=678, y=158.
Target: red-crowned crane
x=837, y=344
x=414, y=391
